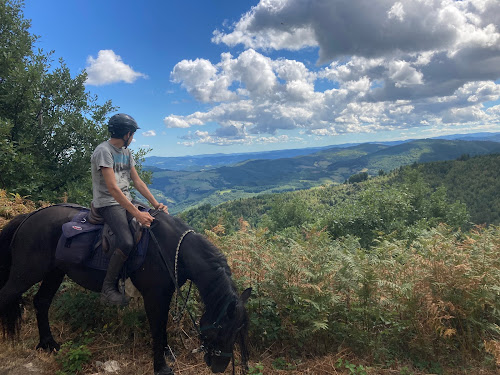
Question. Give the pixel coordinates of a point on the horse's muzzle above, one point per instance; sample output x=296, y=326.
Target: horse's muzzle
x=216, y=364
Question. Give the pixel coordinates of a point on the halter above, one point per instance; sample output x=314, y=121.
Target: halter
x=216, y=325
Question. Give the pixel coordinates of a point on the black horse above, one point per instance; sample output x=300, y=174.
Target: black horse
x=27, y=247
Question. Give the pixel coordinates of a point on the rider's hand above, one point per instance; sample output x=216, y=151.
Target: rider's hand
x=162, y=207
x=144, y=218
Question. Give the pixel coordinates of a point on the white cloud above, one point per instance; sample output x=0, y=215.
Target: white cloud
x=464, y=115
x=361, y=85
x=397, y=11
x=109, y=68
x=284, y=98
x=403, y=74
x=200, y=79
x=251, y=30
x=391, y=65
x=203, y=137
x=149, y=133
x=174, y=121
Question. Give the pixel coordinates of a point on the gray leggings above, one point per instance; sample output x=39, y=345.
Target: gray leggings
x=117, y=218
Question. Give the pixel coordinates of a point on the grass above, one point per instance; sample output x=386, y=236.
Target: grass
x=132, y=351
x=129, y=343
x=134, y=358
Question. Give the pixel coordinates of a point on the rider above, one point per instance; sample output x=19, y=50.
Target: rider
x=113, y=168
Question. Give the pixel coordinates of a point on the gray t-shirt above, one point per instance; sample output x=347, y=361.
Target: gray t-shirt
x=121, y=160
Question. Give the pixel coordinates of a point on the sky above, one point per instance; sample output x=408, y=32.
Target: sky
x=228, y=76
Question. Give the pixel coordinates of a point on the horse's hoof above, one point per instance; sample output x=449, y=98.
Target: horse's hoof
x=49, y=345
x=165, y=371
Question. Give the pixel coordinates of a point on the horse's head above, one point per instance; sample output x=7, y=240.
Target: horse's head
x=220, y=331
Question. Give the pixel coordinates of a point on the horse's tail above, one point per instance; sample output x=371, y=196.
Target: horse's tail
x=10, y=314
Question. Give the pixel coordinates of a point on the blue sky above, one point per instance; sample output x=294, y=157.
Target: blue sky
x=224, y=76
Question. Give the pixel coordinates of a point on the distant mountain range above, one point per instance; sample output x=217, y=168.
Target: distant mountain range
x=182, y=190
x=210, y=161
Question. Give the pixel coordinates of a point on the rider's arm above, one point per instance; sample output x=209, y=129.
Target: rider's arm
x=109, y=177
x=144, y=190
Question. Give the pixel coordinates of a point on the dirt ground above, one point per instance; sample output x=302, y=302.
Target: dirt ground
x=134, y=358
x=19, y=359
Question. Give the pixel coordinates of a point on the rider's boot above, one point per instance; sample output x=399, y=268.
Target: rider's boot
x=109, y=293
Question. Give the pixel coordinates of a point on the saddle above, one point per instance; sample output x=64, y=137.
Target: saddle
x=86, y=239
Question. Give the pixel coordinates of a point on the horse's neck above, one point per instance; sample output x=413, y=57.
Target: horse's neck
x=215, y=291
x=208, y=272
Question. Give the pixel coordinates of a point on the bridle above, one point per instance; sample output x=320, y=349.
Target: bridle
x=205, y=347
x=208, y=349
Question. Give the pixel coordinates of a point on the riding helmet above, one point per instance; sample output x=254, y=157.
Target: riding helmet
x=121, y=123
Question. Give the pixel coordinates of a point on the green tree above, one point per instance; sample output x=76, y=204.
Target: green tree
x=359, y=177
x=49, y=123
x=293, y=212
x=398, y=210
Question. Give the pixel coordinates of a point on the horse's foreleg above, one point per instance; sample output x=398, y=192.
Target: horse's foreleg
x=157, y=305
x=42, y=301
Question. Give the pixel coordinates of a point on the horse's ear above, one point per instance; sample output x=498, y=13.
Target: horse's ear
x=246, y=295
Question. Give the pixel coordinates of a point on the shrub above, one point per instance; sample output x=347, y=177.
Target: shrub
x=72, y=357
x=436, y=300
x=82, y=310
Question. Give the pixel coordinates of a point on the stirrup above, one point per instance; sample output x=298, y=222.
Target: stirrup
x=115, y=296
x=109, y=298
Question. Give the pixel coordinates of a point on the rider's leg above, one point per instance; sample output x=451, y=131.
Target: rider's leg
x=116, y=217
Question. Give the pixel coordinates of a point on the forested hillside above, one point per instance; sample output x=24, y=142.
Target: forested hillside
x=469, y=183
x=182, y=190
x=422, y=151
x=210, y=161
x=473, y=181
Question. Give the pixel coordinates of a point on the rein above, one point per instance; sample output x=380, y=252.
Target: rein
x=173, y=275
x=178, y=313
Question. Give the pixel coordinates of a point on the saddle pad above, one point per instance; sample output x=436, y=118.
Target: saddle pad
x=99, y=260
x=78, y=240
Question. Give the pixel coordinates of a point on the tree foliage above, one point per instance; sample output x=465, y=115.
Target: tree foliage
x=49, y=124
x=474, y=181
x=397, y=210
x=358, y=177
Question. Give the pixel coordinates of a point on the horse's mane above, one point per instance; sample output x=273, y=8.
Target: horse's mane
x=223, y=284
x=214, y=258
